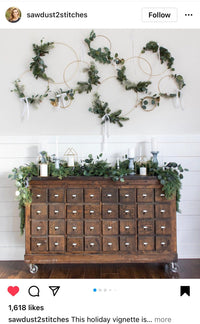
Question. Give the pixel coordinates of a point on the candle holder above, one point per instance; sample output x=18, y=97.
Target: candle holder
x=131, y=166
x=155, y=157
x=57, y=163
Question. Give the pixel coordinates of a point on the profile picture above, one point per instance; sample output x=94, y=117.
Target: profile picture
x=13, y=14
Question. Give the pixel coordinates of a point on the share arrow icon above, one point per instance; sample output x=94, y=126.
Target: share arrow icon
x=54, y=289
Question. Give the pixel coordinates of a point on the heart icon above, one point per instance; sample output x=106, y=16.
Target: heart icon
x=13, y=290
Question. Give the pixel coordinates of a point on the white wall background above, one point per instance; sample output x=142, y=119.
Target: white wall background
x=177, y=131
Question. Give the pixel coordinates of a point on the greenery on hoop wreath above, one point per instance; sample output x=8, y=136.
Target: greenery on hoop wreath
x=33, y=99
x=104, y=56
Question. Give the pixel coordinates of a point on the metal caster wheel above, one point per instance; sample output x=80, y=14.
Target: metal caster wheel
x=33, y=268
x=173, y=267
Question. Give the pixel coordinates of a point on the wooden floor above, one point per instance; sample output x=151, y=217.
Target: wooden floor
x=188, y=268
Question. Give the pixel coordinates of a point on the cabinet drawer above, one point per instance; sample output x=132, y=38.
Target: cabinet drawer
x=75, y=212
x=57, y=243
x=145, y=211
x=160, y=195
x=74, y=227
x=92, y=195
x=92, y=227
x=110, y=211
x=145, y=227
x=127, y=211
x=163, y=227
x=127, y=243
x=56, y=195
x=39, y=211
x=38, y=227
x=39, y=244
x=39, y=195
x=127, y=226
x=162, y=210
x=74, y=244
x=163, y=243
x=127, y=196
x=110, y=227
x=75, y=195
x=146, y=243
x=110, y=243
x=57, y=211
x=92, y=211
x=57, y=227
x=92, y=243
x=145, y=195
x=109, y=195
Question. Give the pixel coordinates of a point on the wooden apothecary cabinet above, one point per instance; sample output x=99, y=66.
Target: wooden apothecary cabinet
x=97, y=220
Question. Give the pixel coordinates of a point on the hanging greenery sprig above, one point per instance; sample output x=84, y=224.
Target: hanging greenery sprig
x=103, y=111
x=33, y=99
x=37, y=66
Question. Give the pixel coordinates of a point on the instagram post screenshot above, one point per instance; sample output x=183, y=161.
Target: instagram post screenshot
x=100, y=162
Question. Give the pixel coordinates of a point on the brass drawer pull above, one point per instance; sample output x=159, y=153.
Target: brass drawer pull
x=74, y=244
x=74, y=212
x=109, y=211
x=127, y=227
x=144, y=195
x=110, y=244
x=162, y=195
x=38, y=212
x=162, y=211
x=92, y=244
x=91, y=196
x=162, y=243
x=162, y=227
x=56, y=195
x=91, y=228
x=56, y=243
x=126, y=244
x=145, y=211
x=56, y=211
x=145, y=227
x=109, y=195
x=109, y=228
x=91, y=211
x=145, y=243
x=74, y=228
x=56, y=228
x=39, y=228
x=38, y=196
x=74, y=196
x=126, y=195
x=127, y=211
x=39, y=244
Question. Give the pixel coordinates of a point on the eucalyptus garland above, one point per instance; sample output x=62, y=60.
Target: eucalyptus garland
x=169, y=175
x=141, y=86
x=37, y=66
x=34, y=99
x=103, y=111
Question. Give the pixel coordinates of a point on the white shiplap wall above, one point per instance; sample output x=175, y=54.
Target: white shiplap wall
x=15, y=151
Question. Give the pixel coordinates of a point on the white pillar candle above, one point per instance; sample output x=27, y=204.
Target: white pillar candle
x=57, y=147
x=143, y=171
x=154, y=145
x=131, y=152
x=43, y=170
x=70, y=161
